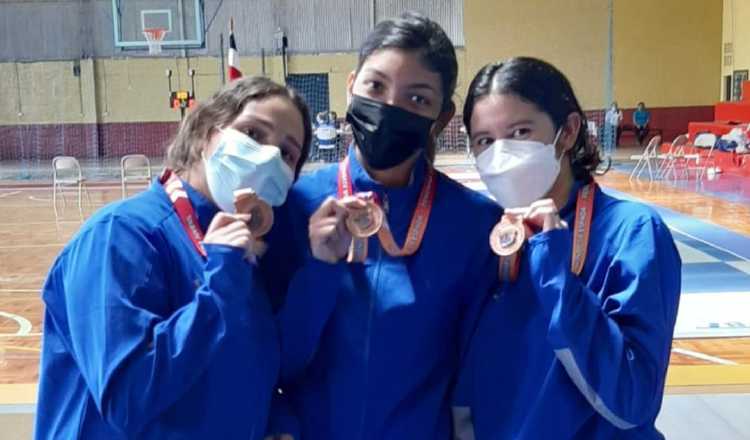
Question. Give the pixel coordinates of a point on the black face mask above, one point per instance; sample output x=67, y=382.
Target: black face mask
x=386, y=135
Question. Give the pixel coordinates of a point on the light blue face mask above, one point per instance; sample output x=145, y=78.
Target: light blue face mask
x=239, y=162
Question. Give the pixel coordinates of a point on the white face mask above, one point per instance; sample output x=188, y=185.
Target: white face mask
x=239, y=162
x=518, y=173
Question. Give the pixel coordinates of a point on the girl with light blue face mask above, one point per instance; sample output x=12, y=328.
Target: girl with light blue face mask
x=161, y=290
x=240, y=162
x=575, y=341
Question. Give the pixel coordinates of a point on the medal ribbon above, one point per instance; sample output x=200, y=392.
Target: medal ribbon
x=177, y=194
x=509, y=265
x=417, y=228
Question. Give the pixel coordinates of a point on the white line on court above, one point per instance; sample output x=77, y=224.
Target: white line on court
x=8, y=194
x=17, y=409
x=715, y=246
x=37, y=199
x=29, y=246
x=40, y=223
x=49, y=188
x=704, y=357
x=24, y=325
x=27, y=335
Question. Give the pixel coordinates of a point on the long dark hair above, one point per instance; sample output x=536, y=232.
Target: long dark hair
x=416, y=33
x=541, y=84
x=221, y=109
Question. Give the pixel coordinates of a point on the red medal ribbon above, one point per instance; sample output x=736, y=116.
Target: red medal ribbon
x=177, y=194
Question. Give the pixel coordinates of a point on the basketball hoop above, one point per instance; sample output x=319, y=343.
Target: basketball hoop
x=154, y=37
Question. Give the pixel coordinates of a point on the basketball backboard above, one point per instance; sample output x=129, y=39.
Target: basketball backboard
x=182, y=20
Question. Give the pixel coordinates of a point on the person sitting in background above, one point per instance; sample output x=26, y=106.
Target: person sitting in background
x=641, y=118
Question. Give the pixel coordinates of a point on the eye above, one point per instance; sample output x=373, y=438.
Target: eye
x=256, y=134
x=419, y=100
x=484, y=141
x=521, y=133
x=289, y=154
x=373, y=85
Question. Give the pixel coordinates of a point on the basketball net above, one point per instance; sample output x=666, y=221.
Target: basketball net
x=154, y=37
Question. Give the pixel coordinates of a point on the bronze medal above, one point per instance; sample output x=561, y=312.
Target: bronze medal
x=261, y=219
x=246, y=201
x=507, y=237
x=366, y=222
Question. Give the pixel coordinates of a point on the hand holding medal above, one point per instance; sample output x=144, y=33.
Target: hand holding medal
x=328, y=232
x=516, y=226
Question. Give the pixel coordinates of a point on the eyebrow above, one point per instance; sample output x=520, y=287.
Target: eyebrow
x=477, y=134
x=419, y=85
x=423, y=86
x=521, y=122
x=376, y=72
x=263, y=122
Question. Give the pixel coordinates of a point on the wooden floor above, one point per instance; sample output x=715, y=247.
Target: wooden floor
x=30, y=238
x=733, y=216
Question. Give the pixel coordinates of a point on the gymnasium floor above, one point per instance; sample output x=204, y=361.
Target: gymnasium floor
x=709, y=376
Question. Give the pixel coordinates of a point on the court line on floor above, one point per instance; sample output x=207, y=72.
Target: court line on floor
x=29, y=335
x=37, y=199
x=17, y=409
x=32, y=246
x=40, y=223
x=18, y=394
x=713, y=245
x=695, y=375
x=22, y=348
x=703, y=356
x=8, y=194
x=20, y=290
x=48, y=187
x=24, y=325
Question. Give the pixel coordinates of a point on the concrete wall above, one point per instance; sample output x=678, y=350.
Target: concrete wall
x=735, y=32
x=572, y=35
x=667, y=53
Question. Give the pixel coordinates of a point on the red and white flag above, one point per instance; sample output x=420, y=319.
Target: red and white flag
x=234, y=57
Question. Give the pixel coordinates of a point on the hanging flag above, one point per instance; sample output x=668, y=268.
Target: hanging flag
x=234, y=57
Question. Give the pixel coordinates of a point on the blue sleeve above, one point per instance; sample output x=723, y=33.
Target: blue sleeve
x=137, y=355
x=616, y=347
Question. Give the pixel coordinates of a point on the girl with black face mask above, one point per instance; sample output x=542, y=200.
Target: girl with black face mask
x=394, y=255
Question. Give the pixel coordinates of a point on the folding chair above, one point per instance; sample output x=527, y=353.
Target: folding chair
x=66, y=172
x=647, y=159
x=668, y=160
x=704, y=141
x=134, y=168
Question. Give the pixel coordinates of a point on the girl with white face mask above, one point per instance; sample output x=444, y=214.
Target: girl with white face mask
x=153, y=329
x=372, y=348
x=575, y=343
